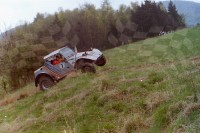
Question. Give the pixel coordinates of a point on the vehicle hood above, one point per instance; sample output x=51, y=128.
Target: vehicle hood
x=94, y=54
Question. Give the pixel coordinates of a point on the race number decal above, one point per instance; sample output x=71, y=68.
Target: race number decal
x=62, y=65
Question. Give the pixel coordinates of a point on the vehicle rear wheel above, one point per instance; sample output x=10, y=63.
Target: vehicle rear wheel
x=89, y=68
x=101, y=61
x=45, y=82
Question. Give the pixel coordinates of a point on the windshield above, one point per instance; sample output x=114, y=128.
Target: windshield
x=67, y=52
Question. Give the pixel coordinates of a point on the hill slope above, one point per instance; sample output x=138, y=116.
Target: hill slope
x=148, y=86
x=189, y=9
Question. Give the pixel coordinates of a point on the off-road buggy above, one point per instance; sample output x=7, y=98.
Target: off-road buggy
x=51, y=73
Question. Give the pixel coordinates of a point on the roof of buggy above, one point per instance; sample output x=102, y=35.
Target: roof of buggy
x=55, y=52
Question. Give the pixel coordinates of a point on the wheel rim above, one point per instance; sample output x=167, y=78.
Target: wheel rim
x=46, y=84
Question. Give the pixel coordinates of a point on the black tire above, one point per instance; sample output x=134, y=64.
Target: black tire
x=101, y=61
x=88, y=68
x=45, y=82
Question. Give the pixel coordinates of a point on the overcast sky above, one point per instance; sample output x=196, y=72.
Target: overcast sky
x=15, y=12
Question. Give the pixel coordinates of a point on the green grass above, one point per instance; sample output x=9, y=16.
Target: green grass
x=144, y=87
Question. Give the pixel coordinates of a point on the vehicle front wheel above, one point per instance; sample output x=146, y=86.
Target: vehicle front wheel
x=45, y=82
x=101, y=61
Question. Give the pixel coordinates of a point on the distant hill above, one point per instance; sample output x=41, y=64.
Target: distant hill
x=191, y=11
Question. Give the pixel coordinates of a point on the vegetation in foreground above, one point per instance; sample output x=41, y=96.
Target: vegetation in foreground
x=149, y=86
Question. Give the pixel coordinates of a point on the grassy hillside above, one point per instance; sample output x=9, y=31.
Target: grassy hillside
x=149, y=86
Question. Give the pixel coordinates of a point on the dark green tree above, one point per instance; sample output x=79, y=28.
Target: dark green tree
x=177, y=20
x=149, y=15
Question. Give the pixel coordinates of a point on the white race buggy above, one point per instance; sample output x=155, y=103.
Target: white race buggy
x=50, y=73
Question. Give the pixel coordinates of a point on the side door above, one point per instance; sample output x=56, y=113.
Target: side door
x=59, y=70
x=65, y=67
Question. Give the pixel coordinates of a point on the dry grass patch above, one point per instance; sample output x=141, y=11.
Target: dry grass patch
x=175, y=109
x=52, y=106
x=114, y=95
x=181, y=129
x=18, y=96
x=155, y=99
x=17, y=125
x=50, y=117
x=79, y=97
x=105, y=98
x=106, y=85
x=191, y=108
x=137, y=123
x=141, y=79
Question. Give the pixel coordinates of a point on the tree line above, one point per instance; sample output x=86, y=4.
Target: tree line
x=87, y=26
